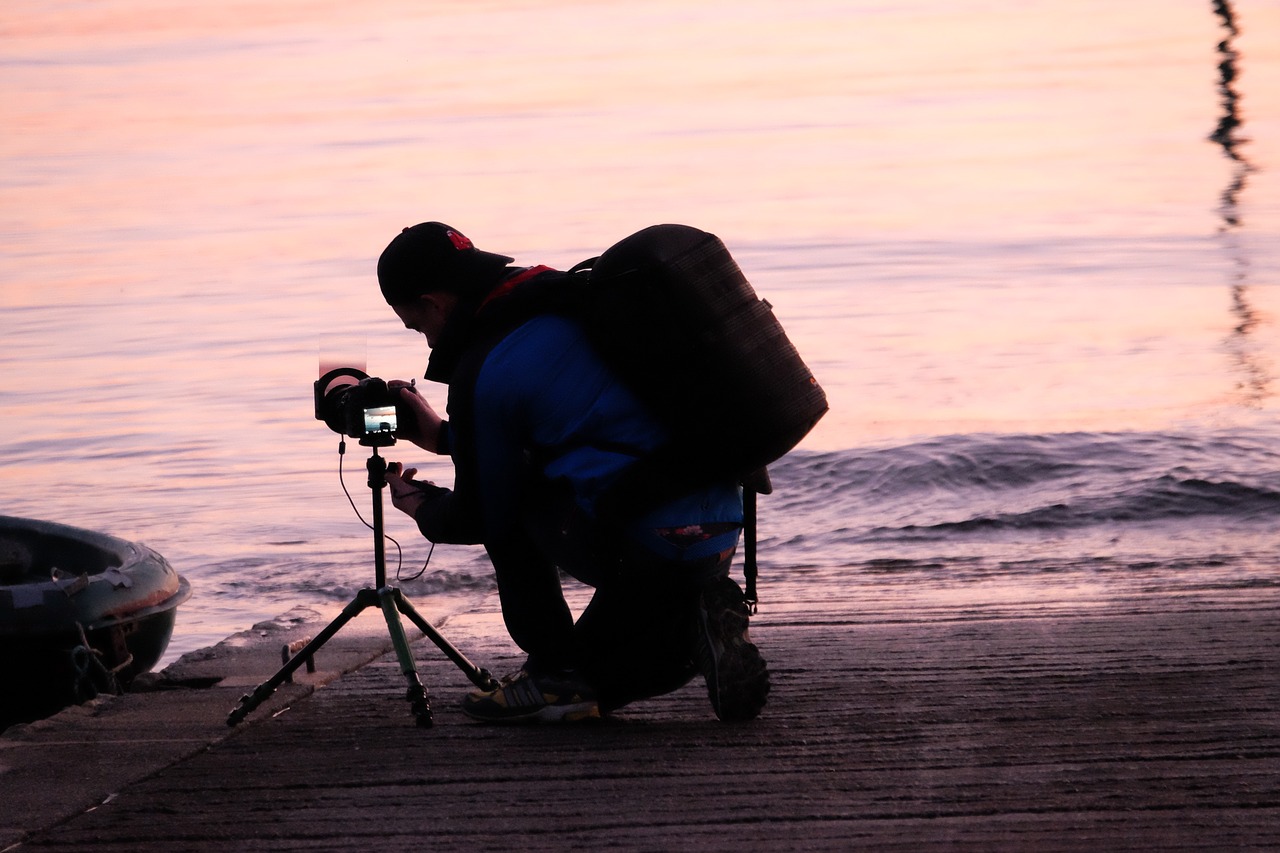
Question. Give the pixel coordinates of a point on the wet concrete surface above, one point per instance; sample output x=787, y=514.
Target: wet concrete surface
x=1153, y=726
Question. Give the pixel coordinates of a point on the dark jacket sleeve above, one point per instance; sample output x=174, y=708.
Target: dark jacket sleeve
x=440, y=520
x=526, y=391
x=454, y=516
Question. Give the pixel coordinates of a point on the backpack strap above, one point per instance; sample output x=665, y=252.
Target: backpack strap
x=756, y=483
x=583, y=266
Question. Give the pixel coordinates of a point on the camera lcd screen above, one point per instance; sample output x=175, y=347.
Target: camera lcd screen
x=380, y=419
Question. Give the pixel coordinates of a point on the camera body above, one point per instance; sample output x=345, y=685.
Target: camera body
x=355, y=404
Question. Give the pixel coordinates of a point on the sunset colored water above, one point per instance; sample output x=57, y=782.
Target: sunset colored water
x=1042, y=296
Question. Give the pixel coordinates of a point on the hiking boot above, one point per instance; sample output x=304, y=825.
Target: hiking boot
x=524, y=698
x=736, y=674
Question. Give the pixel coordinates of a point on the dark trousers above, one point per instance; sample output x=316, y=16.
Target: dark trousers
x=635, y=638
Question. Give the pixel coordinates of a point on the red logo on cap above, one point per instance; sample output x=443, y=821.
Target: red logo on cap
x=459, y=241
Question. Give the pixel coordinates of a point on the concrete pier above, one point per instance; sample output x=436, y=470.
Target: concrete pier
x=1151, y=726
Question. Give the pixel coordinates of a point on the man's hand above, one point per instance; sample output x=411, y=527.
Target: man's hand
x=406, y=492
x=420, y=423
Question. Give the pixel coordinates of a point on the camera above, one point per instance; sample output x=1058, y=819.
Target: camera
x=353, y=403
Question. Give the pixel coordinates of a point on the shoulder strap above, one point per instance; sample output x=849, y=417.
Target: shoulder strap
x=756, y=483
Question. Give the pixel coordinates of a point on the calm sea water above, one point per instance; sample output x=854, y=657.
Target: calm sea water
x=1042, y=296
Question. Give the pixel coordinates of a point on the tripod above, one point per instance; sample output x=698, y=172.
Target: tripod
x=393, y=603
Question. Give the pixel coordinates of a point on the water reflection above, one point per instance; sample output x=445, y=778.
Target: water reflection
x=1254, y=379
x=1226, y=133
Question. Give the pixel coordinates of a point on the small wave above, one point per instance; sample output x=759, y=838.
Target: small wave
x=969, y=484
x=1167, y=498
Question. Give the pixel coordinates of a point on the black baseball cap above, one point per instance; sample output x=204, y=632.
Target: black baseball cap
x=433, y=256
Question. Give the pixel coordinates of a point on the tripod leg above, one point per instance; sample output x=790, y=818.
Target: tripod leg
x=364, y=598
x=417, y=694
x=479, y=677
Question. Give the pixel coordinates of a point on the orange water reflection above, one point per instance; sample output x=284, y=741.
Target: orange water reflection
x=306, y=129
x=219, y=153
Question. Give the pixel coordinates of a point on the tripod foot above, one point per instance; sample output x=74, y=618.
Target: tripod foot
x=420, y=706
x=248, y=702
x=485, y=680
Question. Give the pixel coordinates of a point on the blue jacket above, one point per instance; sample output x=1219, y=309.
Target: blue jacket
x=540, y=427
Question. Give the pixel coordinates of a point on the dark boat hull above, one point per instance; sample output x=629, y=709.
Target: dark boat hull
x=81, y=613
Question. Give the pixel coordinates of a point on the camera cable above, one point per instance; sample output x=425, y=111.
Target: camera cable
x=342, y=453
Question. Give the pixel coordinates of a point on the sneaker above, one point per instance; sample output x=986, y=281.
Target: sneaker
x=522, y=698
x=736, y=674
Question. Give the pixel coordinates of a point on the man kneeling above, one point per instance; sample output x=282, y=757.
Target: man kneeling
x=539, y=428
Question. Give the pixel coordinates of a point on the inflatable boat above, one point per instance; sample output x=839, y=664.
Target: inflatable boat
x=81, y=613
